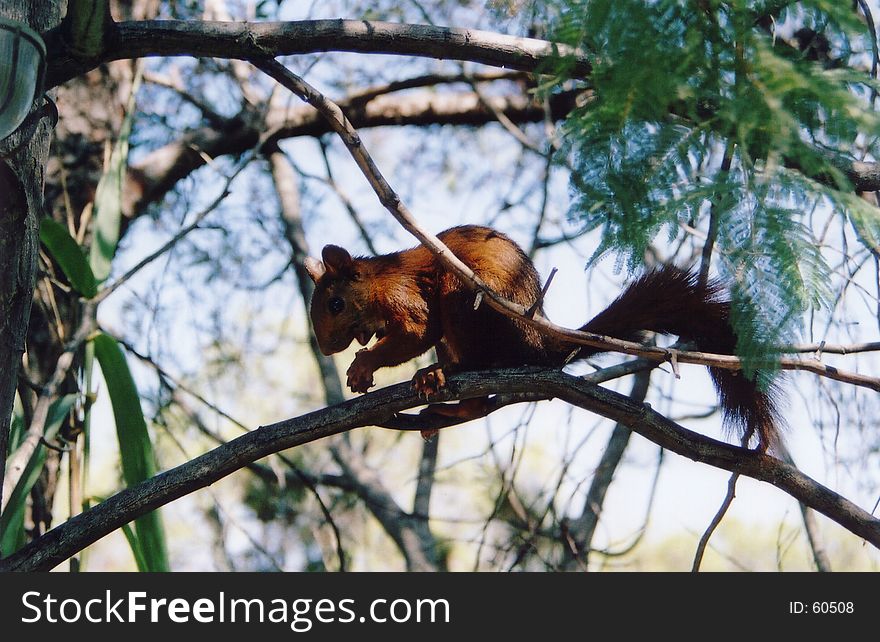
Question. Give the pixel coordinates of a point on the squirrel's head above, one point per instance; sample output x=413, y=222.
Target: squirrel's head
x=339, y=304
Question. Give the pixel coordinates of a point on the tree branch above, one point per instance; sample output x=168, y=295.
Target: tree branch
x=249, y=40
x=78, y=532
x=257, y=40
x=157, y=173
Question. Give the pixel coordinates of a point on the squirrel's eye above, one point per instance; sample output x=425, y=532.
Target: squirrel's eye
x=335, y=305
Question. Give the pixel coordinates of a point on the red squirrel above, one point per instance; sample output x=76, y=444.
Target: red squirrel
x=410, y=302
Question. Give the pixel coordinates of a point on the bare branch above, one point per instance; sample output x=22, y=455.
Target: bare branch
x=716, y=520
x=157, y=172
x=581, y=529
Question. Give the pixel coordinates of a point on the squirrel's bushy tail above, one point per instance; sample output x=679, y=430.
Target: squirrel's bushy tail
x=670, y=300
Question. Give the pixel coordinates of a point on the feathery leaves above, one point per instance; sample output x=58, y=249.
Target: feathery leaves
x=676, y=81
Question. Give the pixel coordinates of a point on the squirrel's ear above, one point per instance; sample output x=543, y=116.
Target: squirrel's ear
x=315, y=268
x=337, y=260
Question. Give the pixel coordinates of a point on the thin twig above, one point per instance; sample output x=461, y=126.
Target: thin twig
x=540, y=302
x=722, y=511
x=716, y=520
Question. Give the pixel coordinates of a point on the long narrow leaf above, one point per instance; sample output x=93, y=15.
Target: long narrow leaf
x=69, y=256
x=16, y=427
x=108, y=195
x=88, y=368
x=13, y=534
x=135, y=447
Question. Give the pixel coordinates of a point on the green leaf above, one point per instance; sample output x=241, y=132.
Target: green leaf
x=14, y=536
x=64, y=249
x=12, y=519
x=136, y=548
x=108, y=195
x=135, y=447
x=16, y=427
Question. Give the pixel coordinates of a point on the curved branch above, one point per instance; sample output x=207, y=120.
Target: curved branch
x=78, y=532
x=248, y=40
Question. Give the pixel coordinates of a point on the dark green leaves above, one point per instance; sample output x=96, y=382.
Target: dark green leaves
x=69, y=256
x=136, y=450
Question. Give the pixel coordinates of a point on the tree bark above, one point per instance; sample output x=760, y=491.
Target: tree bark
x=21, y=200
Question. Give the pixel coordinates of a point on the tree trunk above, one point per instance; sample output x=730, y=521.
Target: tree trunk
x=21, y=200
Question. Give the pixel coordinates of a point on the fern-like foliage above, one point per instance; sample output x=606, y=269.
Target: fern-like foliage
x=743, y=110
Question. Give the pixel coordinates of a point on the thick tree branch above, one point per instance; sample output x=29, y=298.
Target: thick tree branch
x=78, y=532
x=864, y=176
x=255, y=40
x=162, y=169
x=249, y=40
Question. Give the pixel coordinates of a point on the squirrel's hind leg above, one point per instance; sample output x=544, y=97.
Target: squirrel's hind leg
x=428, y=381
x=466, y=410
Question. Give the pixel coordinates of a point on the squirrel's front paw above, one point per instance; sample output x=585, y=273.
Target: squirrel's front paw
x=360, y=375
x=428, y=381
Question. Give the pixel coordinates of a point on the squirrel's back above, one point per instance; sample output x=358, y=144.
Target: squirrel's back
x=483, y=337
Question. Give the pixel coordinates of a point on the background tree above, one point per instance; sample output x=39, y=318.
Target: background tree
x=196, y=186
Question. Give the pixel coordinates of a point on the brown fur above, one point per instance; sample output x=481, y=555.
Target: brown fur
x=412, y=303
